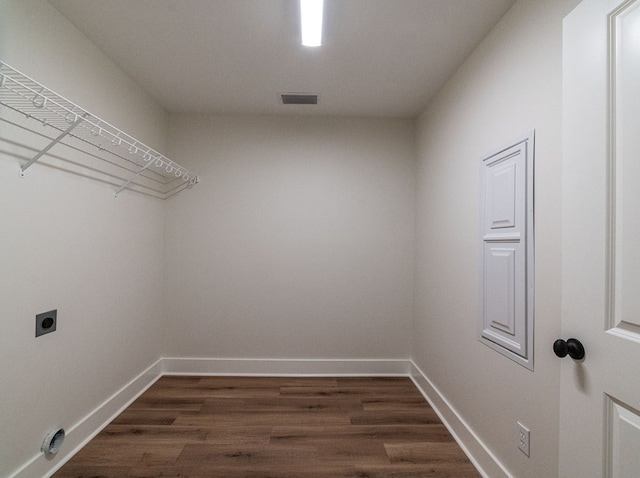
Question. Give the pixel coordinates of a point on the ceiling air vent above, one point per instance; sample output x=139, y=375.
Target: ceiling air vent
x=299, y=99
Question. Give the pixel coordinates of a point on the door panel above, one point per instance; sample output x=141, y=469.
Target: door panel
x=623, y=440
x=625, y=79
x=501, y=297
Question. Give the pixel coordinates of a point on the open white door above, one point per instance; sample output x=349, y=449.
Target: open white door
x=600, y=395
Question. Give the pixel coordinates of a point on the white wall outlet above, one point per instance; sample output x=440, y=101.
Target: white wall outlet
x=523, y=438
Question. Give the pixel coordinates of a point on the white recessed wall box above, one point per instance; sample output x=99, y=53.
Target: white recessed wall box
x=506, y=279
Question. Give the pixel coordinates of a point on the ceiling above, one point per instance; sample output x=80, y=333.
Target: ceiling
x=380, y=58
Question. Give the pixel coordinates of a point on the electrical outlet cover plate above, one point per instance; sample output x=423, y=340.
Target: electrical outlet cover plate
x=46, y=322
x=523, y=438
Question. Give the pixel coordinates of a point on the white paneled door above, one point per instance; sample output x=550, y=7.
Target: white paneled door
x=600, y=394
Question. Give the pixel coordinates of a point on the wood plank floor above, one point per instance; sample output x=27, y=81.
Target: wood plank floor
x=266, y=427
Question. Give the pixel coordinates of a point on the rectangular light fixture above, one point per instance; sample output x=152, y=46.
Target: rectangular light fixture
x=311, y=22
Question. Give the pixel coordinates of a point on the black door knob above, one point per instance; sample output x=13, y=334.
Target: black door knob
x=571, y=347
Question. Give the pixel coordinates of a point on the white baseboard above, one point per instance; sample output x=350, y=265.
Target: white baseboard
x=285, y=367
x=483, y=459
x=83, y=431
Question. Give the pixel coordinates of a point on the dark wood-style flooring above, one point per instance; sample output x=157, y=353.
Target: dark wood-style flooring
x=259, y=427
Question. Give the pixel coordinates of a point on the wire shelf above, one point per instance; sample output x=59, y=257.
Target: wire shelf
x=136, y=160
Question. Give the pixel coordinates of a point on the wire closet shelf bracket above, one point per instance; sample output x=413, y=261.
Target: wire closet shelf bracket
x=140, y=168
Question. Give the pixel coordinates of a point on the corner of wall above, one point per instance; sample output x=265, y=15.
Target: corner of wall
x=89, y=426
x=475, y=449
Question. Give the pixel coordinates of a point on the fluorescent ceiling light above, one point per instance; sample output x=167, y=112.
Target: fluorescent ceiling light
x=311, y=22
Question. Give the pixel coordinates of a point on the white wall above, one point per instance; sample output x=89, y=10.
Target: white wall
x=298, y=242
x=67, y=243
x=510, y=85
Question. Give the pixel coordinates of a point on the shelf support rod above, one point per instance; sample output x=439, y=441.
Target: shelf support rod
x=50, y=145
x=151, y=161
